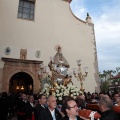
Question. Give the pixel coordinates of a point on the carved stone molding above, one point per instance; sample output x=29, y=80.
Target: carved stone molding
x=13, y=66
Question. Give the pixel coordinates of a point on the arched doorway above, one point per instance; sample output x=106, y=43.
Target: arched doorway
x=21, y=82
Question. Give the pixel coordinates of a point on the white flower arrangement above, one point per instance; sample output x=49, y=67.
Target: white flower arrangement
x=46, y=90
x=60, y=91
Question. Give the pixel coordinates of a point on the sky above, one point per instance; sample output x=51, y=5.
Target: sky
x=106, y=18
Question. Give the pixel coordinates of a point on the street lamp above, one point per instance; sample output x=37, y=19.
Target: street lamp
x=79, y=75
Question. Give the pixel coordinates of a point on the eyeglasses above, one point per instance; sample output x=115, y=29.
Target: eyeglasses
x=44, y=98
x=74, y=106
x=116, y=96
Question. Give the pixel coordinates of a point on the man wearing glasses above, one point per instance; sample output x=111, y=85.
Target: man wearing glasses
x=70, y=110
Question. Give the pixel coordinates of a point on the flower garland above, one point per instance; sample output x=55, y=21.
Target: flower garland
x=60, y=91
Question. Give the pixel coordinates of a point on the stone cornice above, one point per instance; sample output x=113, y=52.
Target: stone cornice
x=21, y=60
x=68, y=1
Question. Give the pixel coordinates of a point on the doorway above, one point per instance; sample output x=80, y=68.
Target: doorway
x=21, y=82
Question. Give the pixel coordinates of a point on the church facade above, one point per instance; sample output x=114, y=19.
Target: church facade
x=29, y=32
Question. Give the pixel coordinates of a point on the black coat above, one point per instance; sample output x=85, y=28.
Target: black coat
x=40, y=112
x=49, y=116
x=29, y=110
x=110, y=115
x=21, y=106
x=4, y=107
x=67, y=118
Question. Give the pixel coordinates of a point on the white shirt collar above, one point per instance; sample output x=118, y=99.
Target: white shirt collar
x=74, y=119
x=43, y=106
x=32, y=104
x=53, y=114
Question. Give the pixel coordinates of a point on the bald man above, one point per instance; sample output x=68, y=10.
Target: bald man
x=105, y=106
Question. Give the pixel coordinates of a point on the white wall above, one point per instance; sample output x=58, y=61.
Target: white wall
x=54, y=24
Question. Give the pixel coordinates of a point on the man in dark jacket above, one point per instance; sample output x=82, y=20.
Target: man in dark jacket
x=40, y=108
x=105, y=106
x=4, y=106
x=29, y=109
x=21, y=107
x=51, y=112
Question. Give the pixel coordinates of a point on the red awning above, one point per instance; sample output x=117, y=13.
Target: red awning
x=116, y=77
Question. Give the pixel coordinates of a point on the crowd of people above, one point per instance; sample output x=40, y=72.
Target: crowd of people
x=40, y=107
